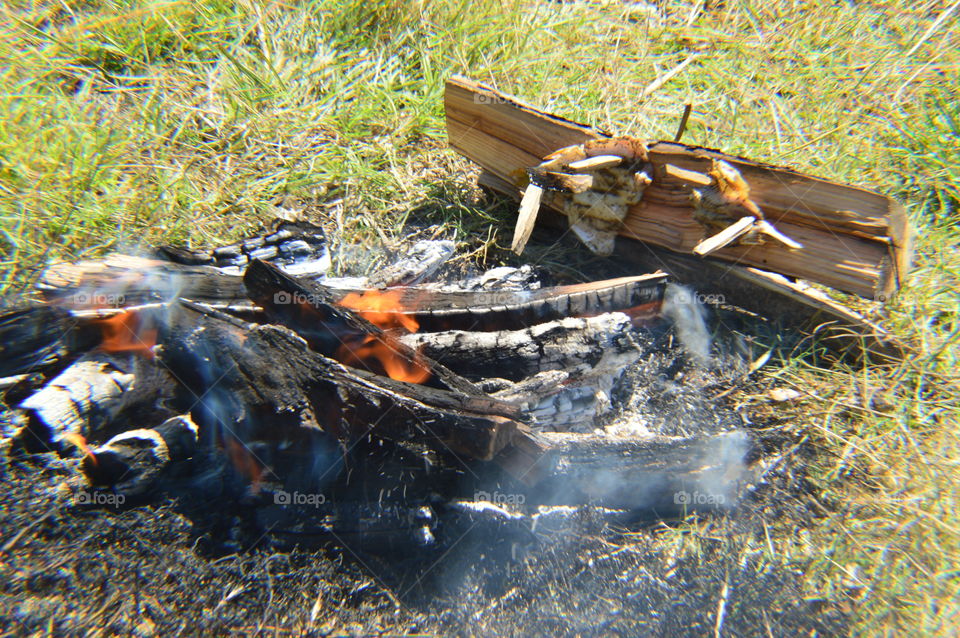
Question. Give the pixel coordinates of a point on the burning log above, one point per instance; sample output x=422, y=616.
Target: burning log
x=432, y=310
x=117, y=374
x=133, y=462
x=263, y=383
x=852, y=239
x=335, y=330
x=495, y=310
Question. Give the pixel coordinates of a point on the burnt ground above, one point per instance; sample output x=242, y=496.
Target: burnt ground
x=149, y=571
x=200, y=561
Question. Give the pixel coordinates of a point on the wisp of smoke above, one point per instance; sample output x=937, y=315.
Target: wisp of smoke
x=688, y=315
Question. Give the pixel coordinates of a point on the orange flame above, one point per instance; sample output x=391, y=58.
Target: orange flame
x=80, y=442
x=384, y=310
x=126, y=332
x=244, y=462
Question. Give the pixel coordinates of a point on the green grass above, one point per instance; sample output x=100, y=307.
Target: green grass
x=129, y=124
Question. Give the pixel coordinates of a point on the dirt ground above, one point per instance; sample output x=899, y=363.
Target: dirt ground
x=202, y=564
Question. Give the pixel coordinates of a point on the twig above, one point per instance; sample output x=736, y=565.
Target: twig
x=725, y=237
x=683, y=122
x=721, y=608
x=666, y=77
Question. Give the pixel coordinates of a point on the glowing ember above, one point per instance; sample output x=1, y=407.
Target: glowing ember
x=127, y=332
x=244, y=462
x=80, y=443
x=384, y=310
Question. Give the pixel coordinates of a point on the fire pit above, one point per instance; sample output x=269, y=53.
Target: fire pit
x=337, y=409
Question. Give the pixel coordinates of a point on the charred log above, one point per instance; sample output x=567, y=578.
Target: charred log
x=264, y=383
x=313, y=312
x=580, y=346
x=133, y=462
x=32, y=339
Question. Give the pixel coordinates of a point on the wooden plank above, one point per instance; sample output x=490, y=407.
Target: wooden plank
x=854, y=239
x=765, y=293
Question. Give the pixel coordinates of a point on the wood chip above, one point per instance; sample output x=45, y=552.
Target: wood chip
x=596, y=163
x=725, y=237
x=529, y=207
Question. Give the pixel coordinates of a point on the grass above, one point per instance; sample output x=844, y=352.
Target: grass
x=133, y=123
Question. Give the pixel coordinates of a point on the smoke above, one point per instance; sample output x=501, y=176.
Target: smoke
x=682, y=306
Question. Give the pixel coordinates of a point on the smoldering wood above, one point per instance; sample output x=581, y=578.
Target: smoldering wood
x=577, y=345
x=130, y=280
x=312, y=311
x=265, y=383
x=855, y=240
x=132, y=463
x=493, y=310
x=559, y=401
x=90, y=394
x=434, y=310
x=34, y=338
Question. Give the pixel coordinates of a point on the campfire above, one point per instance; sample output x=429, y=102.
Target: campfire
x=387, y=407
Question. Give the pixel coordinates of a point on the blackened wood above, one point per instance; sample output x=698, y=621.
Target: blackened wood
x=585, y=344
x=264, y=383
x=133, y=462
x=312, y=311
x=142, y=280
x=124, y=280
x=34, y=338
x=488, y=310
